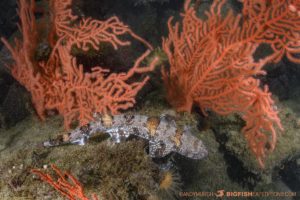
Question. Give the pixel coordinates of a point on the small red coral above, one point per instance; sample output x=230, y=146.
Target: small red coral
x=66, y=184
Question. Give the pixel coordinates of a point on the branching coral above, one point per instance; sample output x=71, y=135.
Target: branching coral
x=79, y=93
x=66, y=184
x=212, y=63
x=60, y=83
x=25, y=69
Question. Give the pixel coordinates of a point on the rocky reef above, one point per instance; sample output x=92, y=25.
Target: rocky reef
x=125, y=170
x=116, y=170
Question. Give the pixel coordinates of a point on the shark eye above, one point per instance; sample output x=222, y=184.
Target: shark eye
x=85, y=128
x=129, y=119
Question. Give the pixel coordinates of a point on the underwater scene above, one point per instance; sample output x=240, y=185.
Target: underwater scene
x=149, y=99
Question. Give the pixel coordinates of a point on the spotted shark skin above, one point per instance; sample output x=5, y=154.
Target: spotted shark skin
x=161, y=132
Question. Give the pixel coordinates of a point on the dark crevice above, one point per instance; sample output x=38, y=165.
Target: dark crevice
x=235, y=167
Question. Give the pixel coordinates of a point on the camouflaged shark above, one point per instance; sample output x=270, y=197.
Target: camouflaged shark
x=161, y=132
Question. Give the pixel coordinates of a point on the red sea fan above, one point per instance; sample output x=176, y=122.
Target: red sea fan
x=61, y=84
x=212, y=64
x=77, y=95
x=66, y=184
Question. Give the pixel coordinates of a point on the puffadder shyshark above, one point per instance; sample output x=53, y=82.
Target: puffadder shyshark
x=161, y=132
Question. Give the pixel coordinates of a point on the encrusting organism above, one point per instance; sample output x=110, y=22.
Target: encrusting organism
x=170, y=184
x=60, y=83
x=212, y=63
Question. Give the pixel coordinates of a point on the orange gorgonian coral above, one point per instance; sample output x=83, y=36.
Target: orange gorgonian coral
x=66, y=184
x=212, y=63
x=25, y=68
x=60, y=83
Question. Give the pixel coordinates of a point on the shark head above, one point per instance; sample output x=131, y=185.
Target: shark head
x=191, y=146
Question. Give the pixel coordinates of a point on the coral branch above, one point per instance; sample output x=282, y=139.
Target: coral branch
x=80, y=94
x=212, y=64
x=89, y=32
x=25, y=69
x=66, y=184
x=61, y=84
